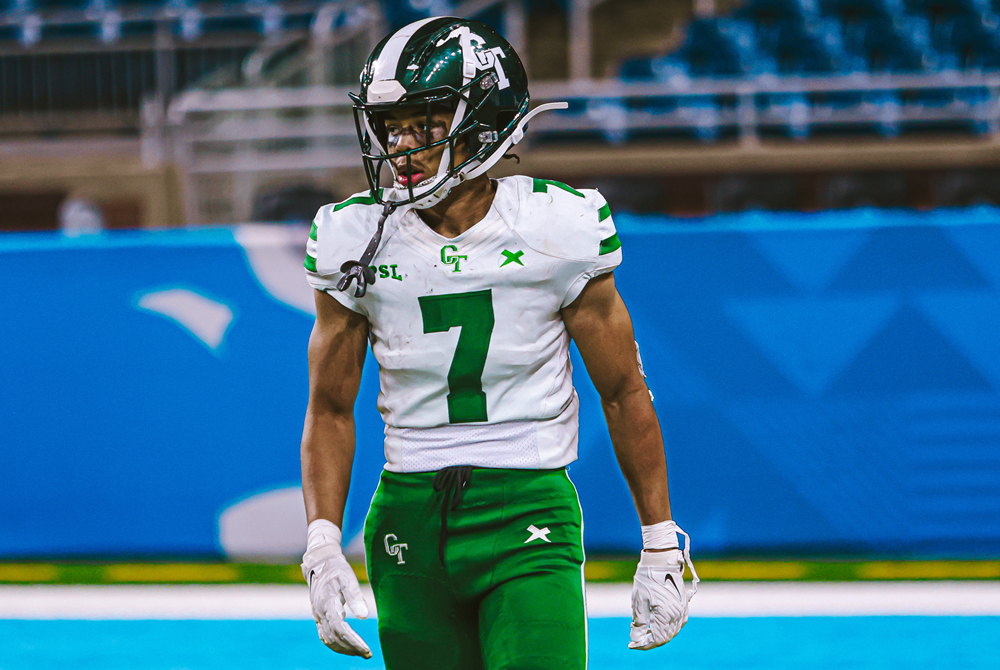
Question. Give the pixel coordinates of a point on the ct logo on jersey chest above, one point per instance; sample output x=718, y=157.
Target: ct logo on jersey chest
x=450, y=256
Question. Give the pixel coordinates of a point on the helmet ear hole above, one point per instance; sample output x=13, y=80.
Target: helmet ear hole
x=504, y=119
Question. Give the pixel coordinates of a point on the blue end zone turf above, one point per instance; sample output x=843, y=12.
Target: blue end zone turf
x=806, y=643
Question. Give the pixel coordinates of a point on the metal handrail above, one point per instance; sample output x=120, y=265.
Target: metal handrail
x=242, y=117
x=764, y=83
x=601, y=90
x=251, y=132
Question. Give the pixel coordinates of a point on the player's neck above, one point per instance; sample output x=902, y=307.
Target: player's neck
x=466, y=205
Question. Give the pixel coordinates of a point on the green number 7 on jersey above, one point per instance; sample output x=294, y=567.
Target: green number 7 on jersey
x=473, y=313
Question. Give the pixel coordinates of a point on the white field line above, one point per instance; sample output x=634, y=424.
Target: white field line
x=743, y=599
x=714, y=599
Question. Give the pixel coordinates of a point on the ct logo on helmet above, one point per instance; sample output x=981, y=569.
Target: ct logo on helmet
x=476, y=56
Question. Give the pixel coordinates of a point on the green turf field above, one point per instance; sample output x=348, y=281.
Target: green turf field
x=598, y=570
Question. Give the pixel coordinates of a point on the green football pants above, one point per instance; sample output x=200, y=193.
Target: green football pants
x=503, y=589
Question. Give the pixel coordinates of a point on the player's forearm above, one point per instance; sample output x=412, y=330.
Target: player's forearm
x=327, y=457
x=638, y=443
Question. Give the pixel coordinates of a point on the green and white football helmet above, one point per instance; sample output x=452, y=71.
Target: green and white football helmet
x=442, y=63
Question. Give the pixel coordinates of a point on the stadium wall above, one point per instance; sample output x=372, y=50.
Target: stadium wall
x=827, y=384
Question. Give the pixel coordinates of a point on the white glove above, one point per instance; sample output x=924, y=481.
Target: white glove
x=659, y=595
x=332, y=585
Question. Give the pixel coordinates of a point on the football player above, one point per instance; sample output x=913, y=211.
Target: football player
x=468, y=291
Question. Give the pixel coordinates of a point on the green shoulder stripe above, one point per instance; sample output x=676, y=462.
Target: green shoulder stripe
x=603, y=212
x=610, y=244
x=310, y=263
x=358, y=200
x=542, y=186
x=312, y=232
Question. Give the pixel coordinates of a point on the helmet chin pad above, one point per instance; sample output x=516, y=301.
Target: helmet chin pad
x=427, y=195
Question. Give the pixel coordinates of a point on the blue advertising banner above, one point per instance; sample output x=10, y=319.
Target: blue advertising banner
x=826, y=383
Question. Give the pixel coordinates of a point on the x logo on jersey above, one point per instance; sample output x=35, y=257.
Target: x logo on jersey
x=538, y=534
x=512, y=257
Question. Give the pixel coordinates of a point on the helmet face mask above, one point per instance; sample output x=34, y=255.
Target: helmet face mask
x=440, y=64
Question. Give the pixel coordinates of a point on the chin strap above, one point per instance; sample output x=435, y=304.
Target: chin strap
x=360, y=269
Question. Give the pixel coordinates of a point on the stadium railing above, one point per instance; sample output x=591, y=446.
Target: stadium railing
x=230, y=132
x=73, y=67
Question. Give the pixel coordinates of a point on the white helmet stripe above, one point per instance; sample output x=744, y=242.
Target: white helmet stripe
x=388, y=60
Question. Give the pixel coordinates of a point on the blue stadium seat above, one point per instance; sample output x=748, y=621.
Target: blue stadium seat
x=968, y=41
x=56, y=5
x=807, y=46
x=637, y=69
x=877, y=110
x=790, y=111
x=702, y=112
x=720, y=47
x=975, y=103
x=950, y=6
x=765, y=10
x=802, y=37
x=897, y=44
x=857, y=8
x=884, y=108
x=612, y=113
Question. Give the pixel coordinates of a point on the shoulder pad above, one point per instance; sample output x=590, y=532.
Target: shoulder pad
x=340, y=232
x=558, y=220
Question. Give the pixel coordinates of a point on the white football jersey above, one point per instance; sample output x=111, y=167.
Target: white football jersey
x=473, y=353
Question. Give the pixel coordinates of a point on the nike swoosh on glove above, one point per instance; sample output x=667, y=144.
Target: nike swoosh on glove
x=332, y=586
x=660, y=598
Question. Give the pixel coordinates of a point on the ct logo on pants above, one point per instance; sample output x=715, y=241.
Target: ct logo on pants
x=395, y=549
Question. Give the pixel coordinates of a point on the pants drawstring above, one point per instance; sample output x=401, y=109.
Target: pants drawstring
x=452, y=480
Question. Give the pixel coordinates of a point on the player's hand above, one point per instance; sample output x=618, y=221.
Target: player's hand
x=332, y=587
x=659, y=598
